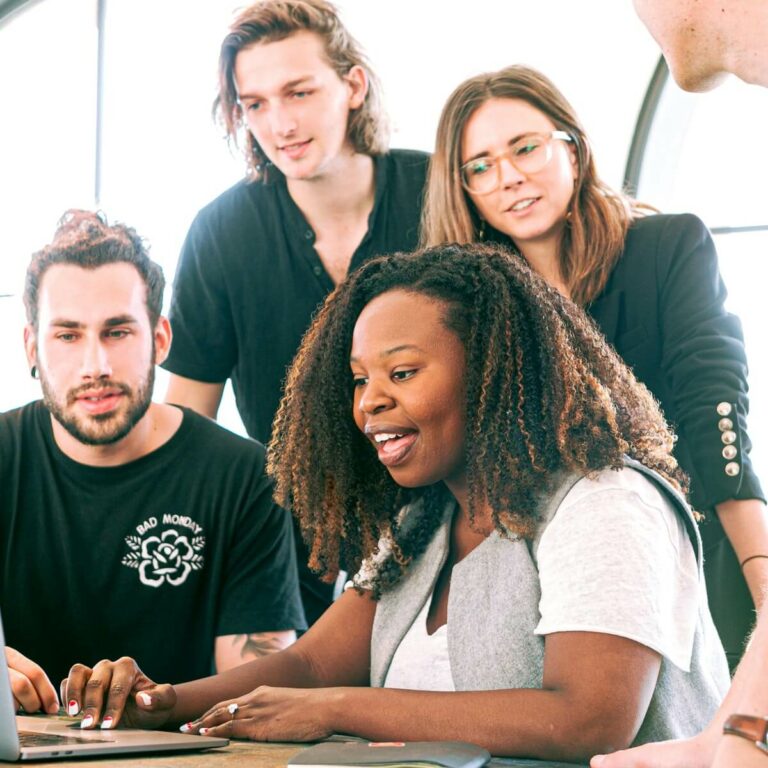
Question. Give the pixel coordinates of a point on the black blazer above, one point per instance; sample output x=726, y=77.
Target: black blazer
x=662, y=309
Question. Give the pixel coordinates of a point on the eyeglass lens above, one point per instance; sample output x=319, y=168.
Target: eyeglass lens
x=529, y=155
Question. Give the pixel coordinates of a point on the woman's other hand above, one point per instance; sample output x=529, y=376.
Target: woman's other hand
x=271, y=714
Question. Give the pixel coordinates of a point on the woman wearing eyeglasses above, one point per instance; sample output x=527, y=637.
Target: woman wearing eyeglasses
x=513, y=164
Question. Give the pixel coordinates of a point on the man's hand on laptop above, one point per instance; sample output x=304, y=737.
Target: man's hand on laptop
x=32, y=690
x=116, y=692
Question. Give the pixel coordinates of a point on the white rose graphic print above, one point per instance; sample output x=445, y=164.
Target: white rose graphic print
x=167, y=556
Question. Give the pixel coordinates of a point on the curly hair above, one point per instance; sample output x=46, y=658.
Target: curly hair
x=86, y=239
x=545, y=393
x=269, y=21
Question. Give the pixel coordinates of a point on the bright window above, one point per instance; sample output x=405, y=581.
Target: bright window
x=47, y=135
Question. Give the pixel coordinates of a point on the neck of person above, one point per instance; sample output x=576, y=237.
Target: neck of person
x=466, y=536
x=543, y=256
x=343, y=191
x=155, y=428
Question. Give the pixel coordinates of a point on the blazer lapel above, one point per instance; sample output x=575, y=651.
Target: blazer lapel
x=605, y=310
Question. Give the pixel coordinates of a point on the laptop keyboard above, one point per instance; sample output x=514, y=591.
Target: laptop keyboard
x=33, y=739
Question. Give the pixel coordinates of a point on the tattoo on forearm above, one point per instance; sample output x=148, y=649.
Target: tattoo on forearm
x=259, y=644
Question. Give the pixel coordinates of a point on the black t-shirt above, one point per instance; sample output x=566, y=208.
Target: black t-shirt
x=153, y=559
x=248, y=282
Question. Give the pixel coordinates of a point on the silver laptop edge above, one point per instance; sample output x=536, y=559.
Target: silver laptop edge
x=77, y=743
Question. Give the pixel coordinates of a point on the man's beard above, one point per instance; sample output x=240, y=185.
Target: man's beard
x=106, y=428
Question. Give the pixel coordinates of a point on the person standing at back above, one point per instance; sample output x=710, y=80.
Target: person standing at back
x=322, y=195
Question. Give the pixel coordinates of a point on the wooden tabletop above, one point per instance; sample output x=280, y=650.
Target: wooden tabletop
x=247, y=753
x=237, y=754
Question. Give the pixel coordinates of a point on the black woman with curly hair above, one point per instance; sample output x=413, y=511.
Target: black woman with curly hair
x=529, y=573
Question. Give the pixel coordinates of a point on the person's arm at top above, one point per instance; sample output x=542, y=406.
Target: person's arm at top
x=32, y=690
x=204, y=348
x=748, y=695
x=201, y=396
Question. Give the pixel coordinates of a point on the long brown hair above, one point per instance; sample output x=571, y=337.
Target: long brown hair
x=598, y=216
x=268, y=21
x=544, y=392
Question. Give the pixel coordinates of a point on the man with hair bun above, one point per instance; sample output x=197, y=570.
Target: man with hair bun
x=323, y=194
x=127, y=526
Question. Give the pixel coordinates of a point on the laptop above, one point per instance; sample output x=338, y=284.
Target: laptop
x=41, y=737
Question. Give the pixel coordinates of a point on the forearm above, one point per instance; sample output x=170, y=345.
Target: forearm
x=746, y=525
x=334, y=652
x=735, y=751
x=532, y=723
x=749, y=693
x=748, y=696
x=283, y=669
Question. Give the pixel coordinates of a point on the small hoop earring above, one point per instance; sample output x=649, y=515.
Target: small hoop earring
x=33, y=372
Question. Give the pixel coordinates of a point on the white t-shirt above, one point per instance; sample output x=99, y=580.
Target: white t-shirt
x=616, y=559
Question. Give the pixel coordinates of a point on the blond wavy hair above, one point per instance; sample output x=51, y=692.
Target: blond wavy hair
x=269, y=21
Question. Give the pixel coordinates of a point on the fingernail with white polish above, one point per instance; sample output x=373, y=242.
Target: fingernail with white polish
x=186, y=728
x=87, y=721
x=72, y=708
x=203, y=731
x=106, y=723
x=146, y=699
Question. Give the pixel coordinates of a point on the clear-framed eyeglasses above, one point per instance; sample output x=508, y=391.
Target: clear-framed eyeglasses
x=529, y=154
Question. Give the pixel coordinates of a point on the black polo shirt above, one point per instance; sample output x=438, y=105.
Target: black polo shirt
x=249, y=280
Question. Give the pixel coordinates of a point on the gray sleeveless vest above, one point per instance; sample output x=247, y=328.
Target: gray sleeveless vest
x=493, y=608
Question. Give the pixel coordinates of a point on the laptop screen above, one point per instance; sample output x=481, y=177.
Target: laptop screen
x=9, y=738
